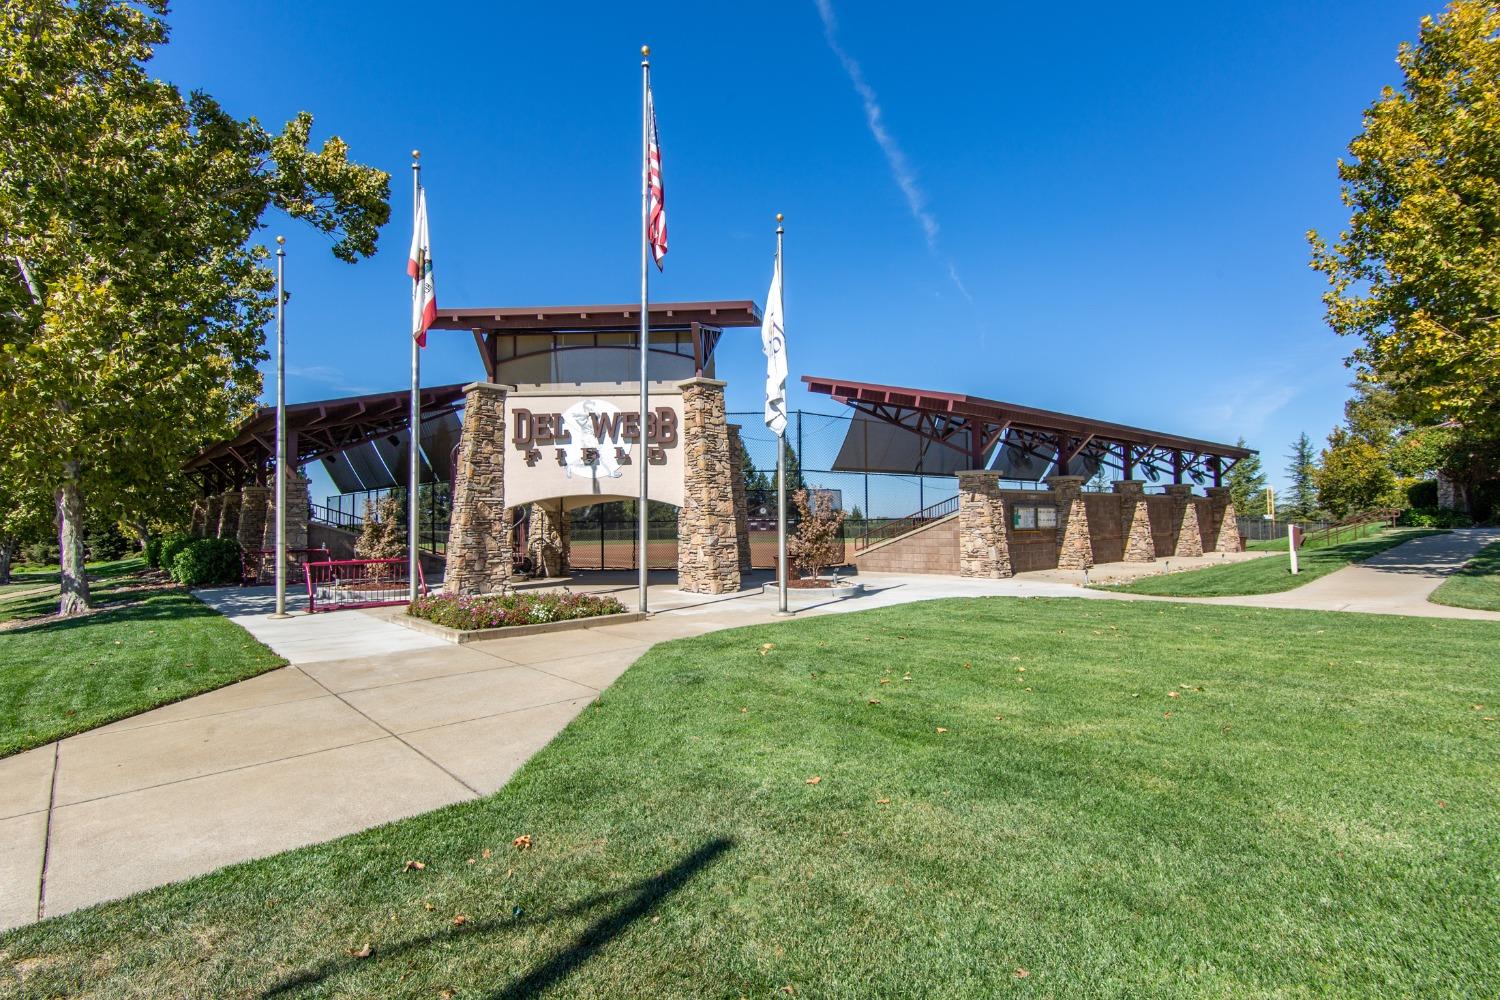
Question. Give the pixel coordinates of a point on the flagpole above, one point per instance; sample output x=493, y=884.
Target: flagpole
x=642, y=504
x=414, y=479
x=781, y=574
x=280, y=428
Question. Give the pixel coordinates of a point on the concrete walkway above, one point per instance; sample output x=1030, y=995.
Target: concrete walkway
x=371, y=723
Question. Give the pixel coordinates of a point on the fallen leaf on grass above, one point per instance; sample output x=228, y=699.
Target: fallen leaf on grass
x=1442, y=803
x=885, y=680
x=459, y=919
x=428, y=906
x=1173, y=694
x=1021, y=973
x=874, y=701
x=744, y=709
x=999, y=718
x=471, y=860
x=766, y=647
x=1020, y=670
x=968, y=666
x=814, y=780
x=1166, y=715
x=882, y=802
x=486, y=852
x=788, y=989
x=446, y=994
x=364, y=952
x=413, y=866
x=941, y=729
x=523, y=842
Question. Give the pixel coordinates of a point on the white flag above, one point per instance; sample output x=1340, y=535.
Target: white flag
x=419, y=267
x=773, y=343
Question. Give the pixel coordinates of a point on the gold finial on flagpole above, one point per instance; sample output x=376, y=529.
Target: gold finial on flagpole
x=416, y=155
x=645, y=55
x=281, y=241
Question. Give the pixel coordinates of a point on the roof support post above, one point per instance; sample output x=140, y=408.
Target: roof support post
x=1127, y=461
x=1176, y=466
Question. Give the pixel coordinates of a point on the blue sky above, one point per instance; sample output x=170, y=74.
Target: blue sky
x=1087, y=209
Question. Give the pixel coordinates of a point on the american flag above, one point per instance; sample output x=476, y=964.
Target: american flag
x=656, y=218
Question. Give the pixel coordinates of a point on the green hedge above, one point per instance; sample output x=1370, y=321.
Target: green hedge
x=208, y=561
x=1433, y=517
x=171, y=545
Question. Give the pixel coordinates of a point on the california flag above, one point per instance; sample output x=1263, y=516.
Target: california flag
x=773, y=343
x=419, y=266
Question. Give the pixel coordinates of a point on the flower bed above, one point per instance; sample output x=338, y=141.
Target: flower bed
x=504, y=610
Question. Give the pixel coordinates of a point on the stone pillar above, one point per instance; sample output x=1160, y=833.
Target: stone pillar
x=268, y=528
x=479, y=545
x=1224, y=524
x=229, y=514
x=741, y=501
x=298, y=510
x=1188, y=540
x=196, y=517
x=211, y=505
x=708, y=545
x=1075, y=549
x=1135, y=521
x=551, y=540
x=252, y=516
x=983, y=545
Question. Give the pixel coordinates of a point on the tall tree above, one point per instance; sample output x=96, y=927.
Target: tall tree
x=1301, y=498
x=1247, y=484
x=133, y=298
x=1416, y=275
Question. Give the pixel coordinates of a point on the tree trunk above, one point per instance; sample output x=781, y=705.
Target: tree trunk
x=7, y=547
x=75, y=584
x=142, y=535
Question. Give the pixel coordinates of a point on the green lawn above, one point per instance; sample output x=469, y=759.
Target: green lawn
x=1020, y=809
x=1270, y=574
x=1317, y=540
x=1477, y=585
x=150, y=648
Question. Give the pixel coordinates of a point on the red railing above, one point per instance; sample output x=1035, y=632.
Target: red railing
x=260, y=564
x=335, y=585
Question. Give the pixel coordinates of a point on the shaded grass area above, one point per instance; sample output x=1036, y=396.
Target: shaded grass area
x=1271, y=574
x=105, y=580
x=142, y=650
x=1476, y=585
x=1008, y=803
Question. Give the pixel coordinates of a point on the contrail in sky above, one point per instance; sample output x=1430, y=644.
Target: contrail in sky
x=895, y=157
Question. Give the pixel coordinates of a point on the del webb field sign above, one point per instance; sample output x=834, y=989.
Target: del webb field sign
x=583, y=446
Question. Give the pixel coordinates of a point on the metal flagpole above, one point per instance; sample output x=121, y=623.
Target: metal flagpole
x=413, y=557
x=641, y=504
x=280, y=428
x=781, y=581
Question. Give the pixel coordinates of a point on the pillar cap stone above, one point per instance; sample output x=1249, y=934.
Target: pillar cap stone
x=1056, y=481
x=1179, y=489
x=1216, y=491
x=499, y=387
x=702, y=380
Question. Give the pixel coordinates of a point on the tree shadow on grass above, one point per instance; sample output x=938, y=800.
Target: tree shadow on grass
x=631, y=903
x=132, y=607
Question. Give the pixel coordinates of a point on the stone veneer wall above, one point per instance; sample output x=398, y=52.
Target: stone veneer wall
x=252, y=516
x=1135, y=522
x=229, y=514
x=211, y=504
x=983, y=542
x=1223, y=520
x=1187, y=537
x=708, y=540
x=479, y=548
x=550, y=541
x=196, y=518
x=741, y=501
x=298, y=511
x=1075, y=550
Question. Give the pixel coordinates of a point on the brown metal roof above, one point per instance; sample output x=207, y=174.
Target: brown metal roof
x=551, y=319
x=977, y=425
x=317, y=429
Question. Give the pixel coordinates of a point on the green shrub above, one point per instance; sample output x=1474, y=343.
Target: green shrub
x=207, y=562
x=1422, y=493
x=171, y=545
x=1432, y=517
x=105, y=543
x=504, y=610
x=40, y=554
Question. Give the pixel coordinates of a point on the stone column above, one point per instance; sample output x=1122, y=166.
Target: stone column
x=211, y=504
x=196, y=517
x=741, y=501
x=1135, y=521
x=298, y=510
x=550, y=541
x=252, y=516
x=229, y=514
x=1224, y=526
x=1188, y=540
x=1075, y=549
x=479, y=546
x=268, y=527
x=708, y=546
x=983, y=545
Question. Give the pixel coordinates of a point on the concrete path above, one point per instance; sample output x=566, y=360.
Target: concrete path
x=1398, y=581
x=371, y=723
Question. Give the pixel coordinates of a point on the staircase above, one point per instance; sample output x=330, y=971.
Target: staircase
x=924, y=542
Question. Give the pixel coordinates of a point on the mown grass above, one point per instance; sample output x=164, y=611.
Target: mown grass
x=1009, y=803
x=143, y=649
x=1319, y=540
x=1476, y=585
x=1270, y=574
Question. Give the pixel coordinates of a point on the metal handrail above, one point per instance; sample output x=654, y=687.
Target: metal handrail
x=902, y=525
x=1379, y=515
x=335, y=518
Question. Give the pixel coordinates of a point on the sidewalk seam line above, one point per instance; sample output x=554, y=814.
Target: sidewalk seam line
x=101, y=731
x=41, y=887
x=509, y=711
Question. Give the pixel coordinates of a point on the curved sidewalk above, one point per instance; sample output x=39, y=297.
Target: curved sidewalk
x=1398, y=581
